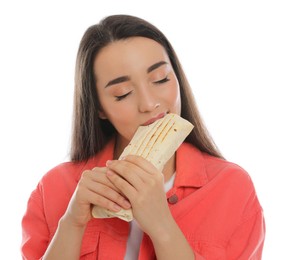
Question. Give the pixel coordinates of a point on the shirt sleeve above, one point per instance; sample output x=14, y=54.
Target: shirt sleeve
x=248, y=239
x=35, y=232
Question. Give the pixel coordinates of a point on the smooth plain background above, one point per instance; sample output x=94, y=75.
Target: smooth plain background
x=233, y=52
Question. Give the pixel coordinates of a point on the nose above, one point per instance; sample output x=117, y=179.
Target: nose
x=147, y=101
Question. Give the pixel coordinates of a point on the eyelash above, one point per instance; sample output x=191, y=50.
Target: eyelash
x=119, y=98
x=166, y=79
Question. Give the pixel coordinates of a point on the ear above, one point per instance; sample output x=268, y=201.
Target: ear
x=102, y=114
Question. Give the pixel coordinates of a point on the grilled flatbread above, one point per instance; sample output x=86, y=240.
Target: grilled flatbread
x=156, y=143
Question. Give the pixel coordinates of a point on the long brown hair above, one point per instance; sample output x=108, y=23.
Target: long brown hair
x=90, y=133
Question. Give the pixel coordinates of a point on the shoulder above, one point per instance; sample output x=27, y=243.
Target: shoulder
x=231, y=172
x=71, y=171
x=215, y=173
x=65, y=170
x=211, y=166
x=221, y=186
x=61, y=179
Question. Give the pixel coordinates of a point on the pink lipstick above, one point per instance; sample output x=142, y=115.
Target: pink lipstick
x=153, y=119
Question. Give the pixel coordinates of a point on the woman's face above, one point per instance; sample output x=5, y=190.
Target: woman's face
x=136, y=84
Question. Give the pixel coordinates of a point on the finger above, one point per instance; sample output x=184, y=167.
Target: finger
x=102, y=190
x=110, y=194
x=134, y=167
x=103, y=202
x=149, y=174
x=142, y=163
x=98, y=174
x=128, y=171
x=126, y=188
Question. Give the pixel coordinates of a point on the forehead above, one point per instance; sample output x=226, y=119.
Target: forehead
x=128, y=55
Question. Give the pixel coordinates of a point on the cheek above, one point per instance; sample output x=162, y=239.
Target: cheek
x=115, y=110
x=174, y=94
x=110, y=108
x=119, y=114
x=124, y=123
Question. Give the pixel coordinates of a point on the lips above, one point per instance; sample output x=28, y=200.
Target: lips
x=152, y=120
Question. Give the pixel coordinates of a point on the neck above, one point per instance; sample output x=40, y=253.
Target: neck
x=120, y=145
x=169, y=168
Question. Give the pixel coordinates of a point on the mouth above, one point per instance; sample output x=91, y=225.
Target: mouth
x=153, y=119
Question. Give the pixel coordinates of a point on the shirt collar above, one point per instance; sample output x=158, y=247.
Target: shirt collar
x=190, y=167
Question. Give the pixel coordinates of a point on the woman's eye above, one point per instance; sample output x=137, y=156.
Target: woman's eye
x=119, y=98
x=162, y=81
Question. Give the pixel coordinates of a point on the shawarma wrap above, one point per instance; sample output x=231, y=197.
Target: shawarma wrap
x=156, y=143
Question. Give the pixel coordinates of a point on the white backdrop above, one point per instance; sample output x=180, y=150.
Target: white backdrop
x=233, y=52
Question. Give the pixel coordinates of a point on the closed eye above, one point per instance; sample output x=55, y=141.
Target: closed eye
x=119, y=98
x=166, y=79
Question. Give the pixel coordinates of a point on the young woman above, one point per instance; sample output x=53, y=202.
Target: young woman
x=199, y=207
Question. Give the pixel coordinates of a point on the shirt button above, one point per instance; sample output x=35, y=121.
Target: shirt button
x=173, y=199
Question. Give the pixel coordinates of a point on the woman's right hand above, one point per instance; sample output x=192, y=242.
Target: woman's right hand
x=94, y=188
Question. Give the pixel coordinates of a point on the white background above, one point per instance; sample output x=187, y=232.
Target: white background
x=234, y=54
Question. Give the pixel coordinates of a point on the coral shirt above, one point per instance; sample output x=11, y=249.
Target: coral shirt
x=213, y=202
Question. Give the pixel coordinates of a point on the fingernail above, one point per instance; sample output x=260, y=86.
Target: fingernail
x=108, y=162
x=127, y=204
x=117, y=207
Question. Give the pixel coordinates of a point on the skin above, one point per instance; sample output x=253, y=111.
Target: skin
x=148, y=97
x=136, y=85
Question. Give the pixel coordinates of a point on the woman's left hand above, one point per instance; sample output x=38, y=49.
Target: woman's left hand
x=143, y=184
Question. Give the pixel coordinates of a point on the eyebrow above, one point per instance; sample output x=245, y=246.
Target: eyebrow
x=118, y=80
x=155, y=66
x=127, y=78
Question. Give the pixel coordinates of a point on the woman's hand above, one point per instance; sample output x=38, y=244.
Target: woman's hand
x=143, y=185
x=94, y=188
